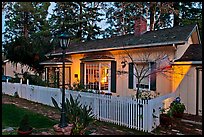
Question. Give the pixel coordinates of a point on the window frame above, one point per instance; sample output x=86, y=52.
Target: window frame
x=149, y=77
x=99, y=65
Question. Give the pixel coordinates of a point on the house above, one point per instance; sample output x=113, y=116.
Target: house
x=10, y=69
x=108, y=65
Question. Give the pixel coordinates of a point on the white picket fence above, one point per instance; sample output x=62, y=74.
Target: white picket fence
x=137, y=114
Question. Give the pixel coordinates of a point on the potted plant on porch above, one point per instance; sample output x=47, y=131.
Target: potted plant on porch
x=165, y=118
x=24, y=126
x=177, y=108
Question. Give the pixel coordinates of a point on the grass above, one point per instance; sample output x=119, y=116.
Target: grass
x=11, y=116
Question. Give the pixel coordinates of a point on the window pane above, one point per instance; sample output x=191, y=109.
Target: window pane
x=104, y=76
x=143, y=68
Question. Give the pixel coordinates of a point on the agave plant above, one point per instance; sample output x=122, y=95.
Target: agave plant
x=76, y=114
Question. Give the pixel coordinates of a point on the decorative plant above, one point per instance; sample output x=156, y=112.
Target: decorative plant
x=165, y=118
x=76, y=114
x=147, y=94
x=78, y=86
x=24, y=124
x=177, y=108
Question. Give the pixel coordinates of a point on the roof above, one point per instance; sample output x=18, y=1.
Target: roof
x=55, y=61
x=193, y=53
x=150, y=38
x=97, y=57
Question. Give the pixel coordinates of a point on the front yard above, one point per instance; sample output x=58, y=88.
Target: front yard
x=50, y=115
x=43, y=118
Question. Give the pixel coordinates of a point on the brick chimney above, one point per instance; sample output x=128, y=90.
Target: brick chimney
x=140, y=25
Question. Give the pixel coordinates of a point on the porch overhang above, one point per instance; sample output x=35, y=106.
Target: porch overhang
x=56, y=61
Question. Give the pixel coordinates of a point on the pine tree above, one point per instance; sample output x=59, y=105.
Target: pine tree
x=27, y=33
x=79, y=19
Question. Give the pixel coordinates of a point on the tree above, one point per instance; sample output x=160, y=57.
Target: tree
x=25, y=19
x=147, y=64
x=78, y=18
x=27, y=34
x=121, y=17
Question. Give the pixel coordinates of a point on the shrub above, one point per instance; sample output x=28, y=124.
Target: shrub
x=76, y=114
x=176, y=108
x=24, y=124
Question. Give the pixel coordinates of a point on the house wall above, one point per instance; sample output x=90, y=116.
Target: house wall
x=75, y=67
x=200, y=101
x=10, y=68
x=182, y=48
x=163, y=83
x=184, y=84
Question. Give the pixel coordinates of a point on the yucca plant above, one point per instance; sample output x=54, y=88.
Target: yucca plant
x=76, y=114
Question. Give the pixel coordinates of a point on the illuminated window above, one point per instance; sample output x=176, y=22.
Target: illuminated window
x=97, y=75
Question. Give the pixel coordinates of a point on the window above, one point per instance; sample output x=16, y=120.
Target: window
x=54, y=76
x=97, y=76
x=144, y=72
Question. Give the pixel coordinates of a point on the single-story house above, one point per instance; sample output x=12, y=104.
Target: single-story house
x=10, y=69
x=110, y=65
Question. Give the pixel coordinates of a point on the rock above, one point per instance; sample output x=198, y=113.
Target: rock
x=45, y=133
x=68, y=129
x=67, y=133
x=9, y=129
x=93, y=134
x=59, y=133
x=174, y=130
x=179, y=134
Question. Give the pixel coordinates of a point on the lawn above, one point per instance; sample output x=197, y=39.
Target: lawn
x=11, y=116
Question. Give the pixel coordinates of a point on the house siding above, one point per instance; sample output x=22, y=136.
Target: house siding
x=185, y=86
x=10, y=68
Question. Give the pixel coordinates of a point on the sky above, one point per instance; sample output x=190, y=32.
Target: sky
x=102, y=24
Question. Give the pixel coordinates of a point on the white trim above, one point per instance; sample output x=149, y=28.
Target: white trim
x=56, y=63
x=134, y=78
x=99, y=78
x=187, y=63
x=122, y=47
x=7, y=60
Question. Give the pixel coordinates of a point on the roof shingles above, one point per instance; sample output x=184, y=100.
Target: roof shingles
x=193, y=53
x=169, y=35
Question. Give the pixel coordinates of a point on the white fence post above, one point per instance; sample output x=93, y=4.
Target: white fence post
x=27, y=81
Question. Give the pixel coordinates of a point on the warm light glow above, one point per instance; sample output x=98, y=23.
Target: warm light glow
x=179, y=72
x=104, y=75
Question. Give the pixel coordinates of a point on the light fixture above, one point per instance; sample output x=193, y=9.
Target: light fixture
x=64, y=43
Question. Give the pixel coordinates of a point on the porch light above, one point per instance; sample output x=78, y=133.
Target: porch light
x=64, y=43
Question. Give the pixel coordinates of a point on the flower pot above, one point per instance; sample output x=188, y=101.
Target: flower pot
x=20, y=132
x=165, y=120
x=177, y=115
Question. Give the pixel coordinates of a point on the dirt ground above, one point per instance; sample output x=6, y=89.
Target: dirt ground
x=183, y=126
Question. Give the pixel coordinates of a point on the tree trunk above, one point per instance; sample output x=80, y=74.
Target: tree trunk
x=152, y=15
x=176, y=14
x=25, y=24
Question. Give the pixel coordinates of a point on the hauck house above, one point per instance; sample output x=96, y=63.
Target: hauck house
x=109, y=65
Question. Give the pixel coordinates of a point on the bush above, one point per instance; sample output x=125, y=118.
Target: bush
x=24, y=124
x=76, y=114
x=176, y=108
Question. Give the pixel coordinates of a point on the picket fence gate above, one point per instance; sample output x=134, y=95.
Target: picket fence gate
x=137, y=114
